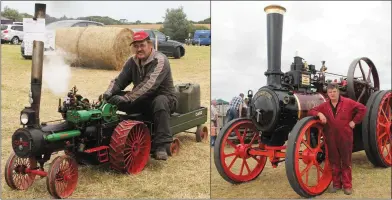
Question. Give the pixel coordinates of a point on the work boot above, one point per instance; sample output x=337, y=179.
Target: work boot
x=333, y=189
x=348, y=191
x=160, y=153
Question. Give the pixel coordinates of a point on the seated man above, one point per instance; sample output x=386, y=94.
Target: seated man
x=153, y=92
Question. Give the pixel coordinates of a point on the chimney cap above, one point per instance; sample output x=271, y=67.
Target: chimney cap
x=275, y=9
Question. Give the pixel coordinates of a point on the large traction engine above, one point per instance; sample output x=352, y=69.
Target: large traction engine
x=278, y=128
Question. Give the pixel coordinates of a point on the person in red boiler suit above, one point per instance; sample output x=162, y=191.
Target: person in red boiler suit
x=340, y=115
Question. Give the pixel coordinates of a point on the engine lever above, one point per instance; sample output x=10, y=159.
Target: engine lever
x=258, y=114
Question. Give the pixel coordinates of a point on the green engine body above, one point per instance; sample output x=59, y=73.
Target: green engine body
x=107, y=112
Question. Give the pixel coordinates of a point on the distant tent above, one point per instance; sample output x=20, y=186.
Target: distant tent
x=222, y=102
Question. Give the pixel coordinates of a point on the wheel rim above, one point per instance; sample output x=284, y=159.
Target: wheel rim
x=137, y=149
x=175, y=147
x=361, y=89
x=15, y=175
x=366, y=129
x=15, y=41
x=63, y=177
x=204, y=133
x=383, y=128
x=239, y=153
x=312, y=156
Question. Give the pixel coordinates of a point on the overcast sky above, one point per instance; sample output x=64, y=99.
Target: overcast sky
x=337, y=32
x=145, y=11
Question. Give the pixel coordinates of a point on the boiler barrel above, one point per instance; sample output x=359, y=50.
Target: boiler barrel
x=274, y=109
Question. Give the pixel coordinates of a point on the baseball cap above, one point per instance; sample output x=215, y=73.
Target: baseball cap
x=140, y=36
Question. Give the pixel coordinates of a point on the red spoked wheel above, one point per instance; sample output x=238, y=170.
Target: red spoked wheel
x=62, y=177
x=201, y=133
x=174, y=147
x=130, y=147
x=307, y=165
x=231, y=148
x=380, y=129
x=15, y=175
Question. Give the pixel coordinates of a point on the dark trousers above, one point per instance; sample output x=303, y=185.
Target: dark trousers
x=232, y=114
x=213, y=138
x=156, y=109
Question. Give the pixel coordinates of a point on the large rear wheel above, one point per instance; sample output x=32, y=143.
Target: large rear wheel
x=231, y=149
x=307, y=165
x=130, y=147
x=380, y=129
x=366, y=128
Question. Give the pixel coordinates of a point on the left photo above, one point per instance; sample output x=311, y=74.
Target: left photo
x=105, y=99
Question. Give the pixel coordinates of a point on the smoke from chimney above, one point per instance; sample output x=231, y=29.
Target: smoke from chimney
x=56, y=72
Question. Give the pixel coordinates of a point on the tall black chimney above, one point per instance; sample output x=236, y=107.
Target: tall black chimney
x=274, y=43
x=37, y=65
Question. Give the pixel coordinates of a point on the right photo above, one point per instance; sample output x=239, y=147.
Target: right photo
x=301, y=101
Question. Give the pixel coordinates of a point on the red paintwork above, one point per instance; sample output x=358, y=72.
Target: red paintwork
x=175, y=147
x=383, y=130
x=130, y=147
x=62, y=177
x=14, y=174
x=339, y=136
x=18, y=142
x=240, y=154
x=308, y=157
x=102, y=153
x=36, y=172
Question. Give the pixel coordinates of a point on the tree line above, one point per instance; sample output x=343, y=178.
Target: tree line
x=175, y=24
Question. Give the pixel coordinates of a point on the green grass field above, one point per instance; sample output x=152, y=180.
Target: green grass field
x=186, y=175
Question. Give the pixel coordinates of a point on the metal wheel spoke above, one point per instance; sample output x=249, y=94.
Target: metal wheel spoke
x=244, y=136
x=232, y=162
x=253, y=139
x=368, y=77
x=362, y=93
x=246, y=165
x=229, y=155
x=319, y=167
x=381, y=136
x=238, y=134
x=383, y=112
x=231, y=144
x=363, y=73
x=242, y=166
x=258, y=161
x=307, y=145
x=306, y=169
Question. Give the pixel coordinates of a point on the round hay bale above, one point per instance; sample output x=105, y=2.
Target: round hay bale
x=96, y=47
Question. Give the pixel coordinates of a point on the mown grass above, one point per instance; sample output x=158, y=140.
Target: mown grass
x=368, y=182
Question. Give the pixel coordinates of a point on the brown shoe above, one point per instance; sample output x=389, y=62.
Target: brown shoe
x=348, y=191
x=333, y=189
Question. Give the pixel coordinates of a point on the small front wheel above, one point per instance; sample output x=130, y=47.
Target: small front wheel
x=15, y=173
x=201, y=133
x=231, y=148
x=62, y=177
